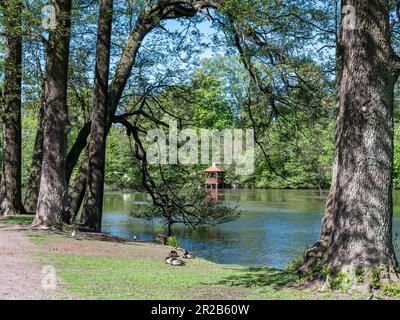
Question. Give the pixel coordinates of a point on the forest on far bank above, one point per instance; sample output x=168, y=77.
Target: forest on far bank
x=299, y=146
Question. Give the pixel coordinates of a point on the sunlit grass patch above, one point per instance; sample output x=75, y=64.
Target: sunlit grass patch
x=105, y=278
x=38, y=238
x=92, y=277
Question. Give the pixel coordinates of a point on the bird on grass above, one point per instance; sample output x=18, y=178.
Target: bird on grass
x=188, y=255
x=174, y=261
x=75, y=234
x=173, y=254
x=168, y=260
x=177, y=262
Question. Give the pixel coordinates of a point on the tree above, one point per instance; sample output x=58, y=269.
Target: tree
x=33, y=185
x=212, y=108
x=93, y=204
x=176, y=196
x=53, y=190
x=357, y=229
x=10, y=186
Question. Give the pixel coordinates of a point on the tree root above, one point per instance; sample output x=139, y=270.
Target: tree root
x=313, y=258
x=381, y=282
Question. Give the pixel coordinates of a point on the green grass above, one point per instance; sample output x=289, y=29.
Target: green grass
x=38, y=238
x=17, y=219
x=104, y=278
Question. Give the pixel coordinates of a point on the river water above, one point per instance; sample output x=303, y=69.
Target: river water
x=275, y=228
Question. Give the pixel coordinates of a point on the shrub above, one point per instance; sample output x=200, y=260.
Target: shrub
x=173, y=242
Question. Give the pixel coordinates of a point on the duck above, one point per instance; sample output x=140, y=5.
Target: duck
x=173, y=254
x=188, y=255
x=177, y=262
x=168, y=260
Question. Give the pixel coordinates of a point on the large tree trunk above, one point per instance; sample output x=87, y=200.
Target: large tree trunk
x=362, y=204
x=52, y=194
x=361, y=196
x=93, y=204
x=10, y=186
x=32, y=189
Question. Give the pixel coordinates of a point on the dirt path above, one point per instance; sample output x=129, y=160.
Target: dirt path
x=20, y=276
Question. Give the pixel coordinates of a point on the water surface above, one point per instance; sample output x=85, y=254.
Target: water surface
x=275, y=228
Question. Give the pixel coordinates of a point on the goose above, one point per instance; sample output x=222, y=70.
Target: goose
x=188, y=255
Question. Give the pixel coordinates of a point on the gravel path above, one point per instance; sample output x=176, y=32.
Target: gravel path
x=20, y=276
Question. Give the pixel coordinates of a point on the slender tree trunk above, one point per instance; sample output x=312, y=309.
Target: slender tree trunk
x=360, y=203
x=76, y=192
x=52, y=194
x=77, y=148
x=93, y=203
x=32, y=189
x=142, y=28
x=10, y=186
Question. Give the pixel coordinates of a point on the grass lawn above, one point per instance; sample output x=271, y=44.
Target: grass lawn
x=89, y=275
x=101, y=267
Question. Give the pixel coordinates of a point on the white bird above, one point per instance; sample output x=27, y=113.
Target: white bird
x=73, y=234
x=134, y=238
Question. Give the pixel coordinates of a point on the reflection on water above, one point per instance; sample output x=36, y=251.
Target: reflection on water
x=276, y=226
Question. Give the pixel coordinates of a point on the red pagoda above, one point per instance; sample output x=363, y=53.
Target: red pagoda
x=214, y=177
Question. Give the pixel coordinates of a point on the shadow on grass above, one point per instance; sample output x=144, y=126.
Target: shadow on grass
x=261, y=277
x=15, y=220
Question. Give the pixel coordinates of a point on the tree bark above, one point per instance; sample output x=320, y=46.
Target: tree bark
x=52, y=194
x=93, y=203
x=361, y=194
x=33, y=186
x=76, y=192
x=10, y=186
x=76, y=150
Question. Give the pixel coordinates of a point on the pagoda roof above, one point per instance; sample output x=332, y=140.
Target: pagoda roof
x=214, y=168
